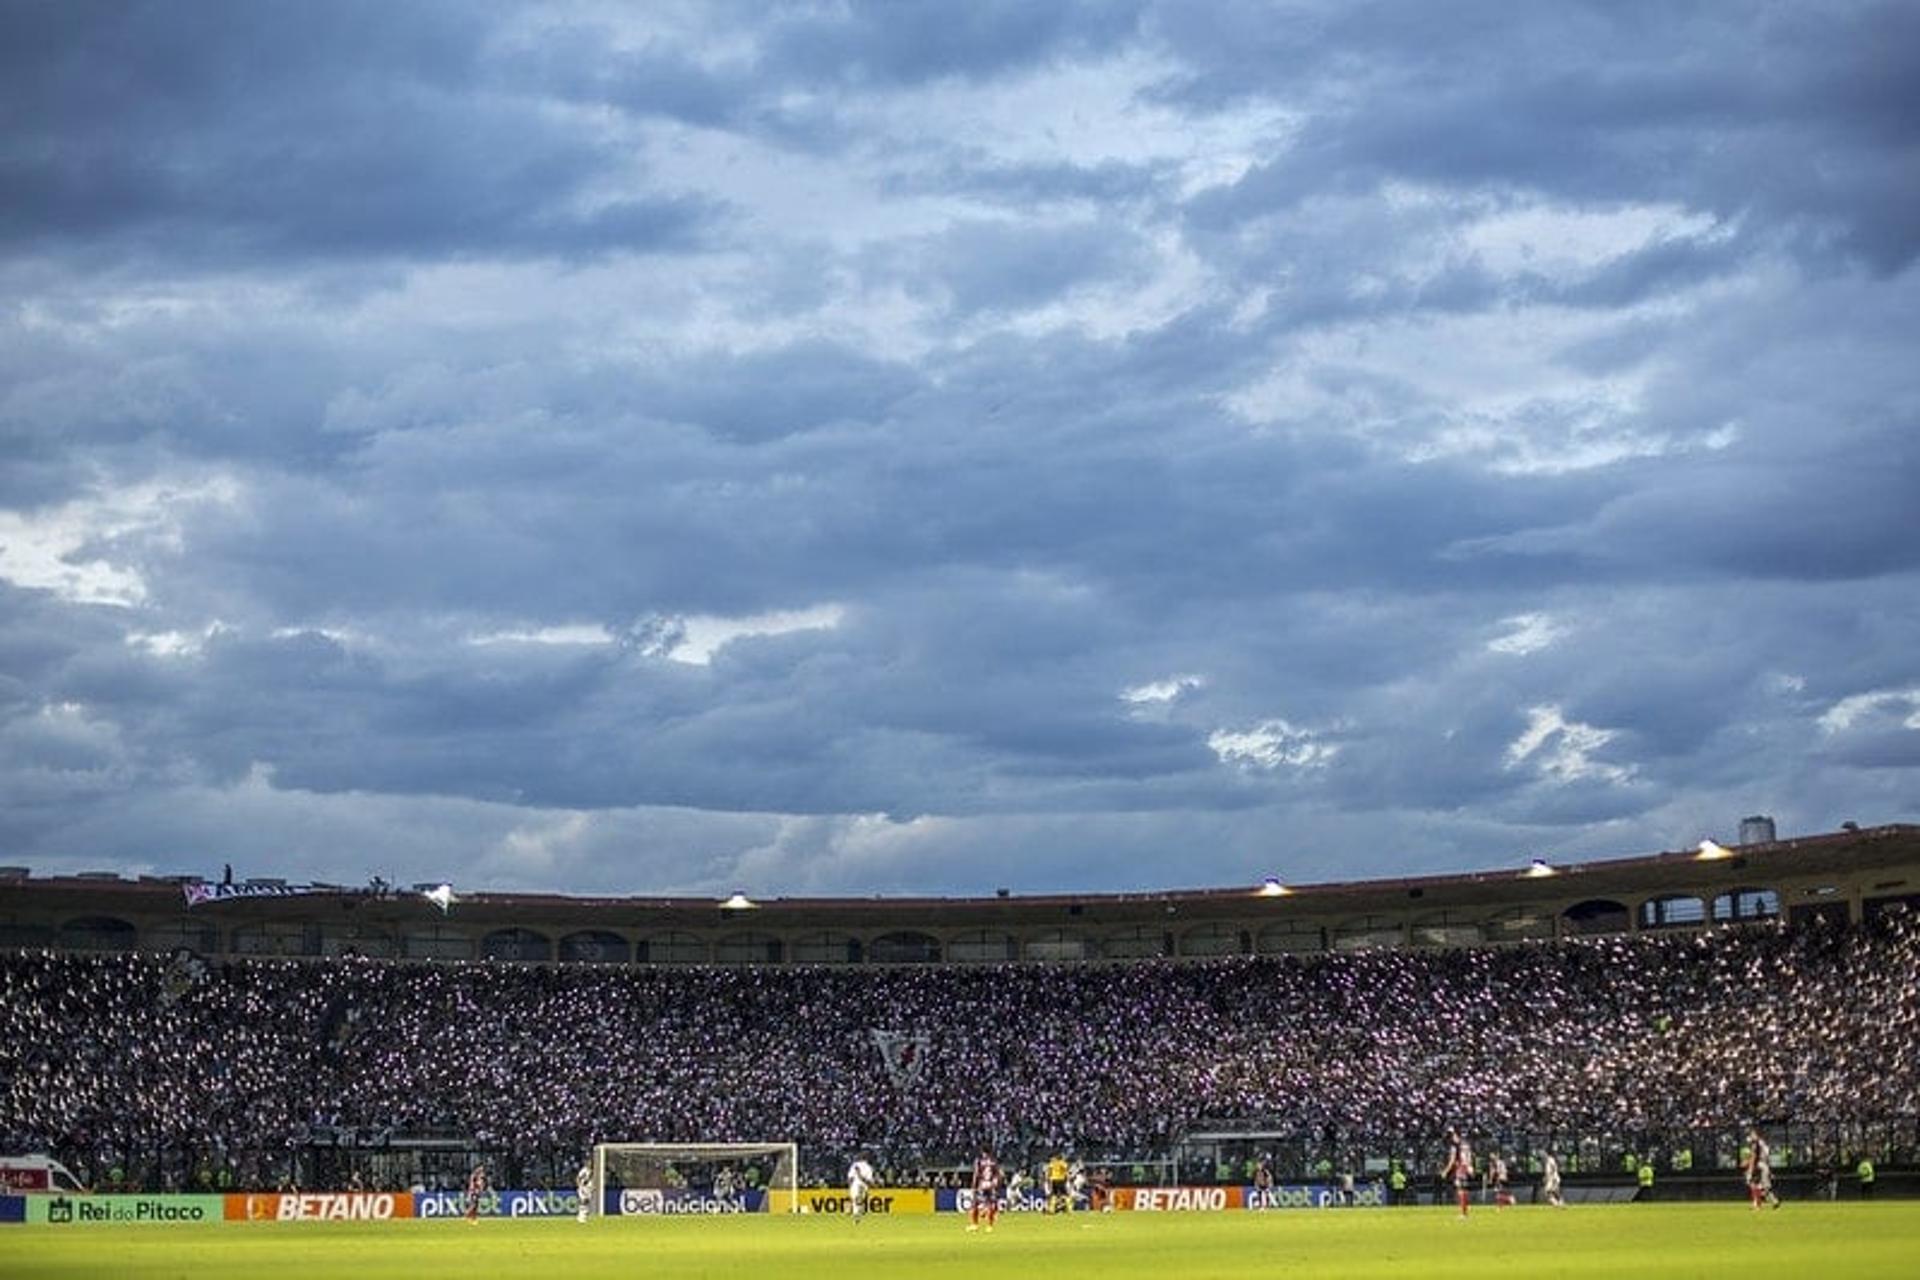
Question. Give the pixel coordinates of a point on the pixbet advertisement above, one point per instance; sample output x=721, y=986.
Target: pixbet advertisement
x=1315, y=1195
x=497, y=1204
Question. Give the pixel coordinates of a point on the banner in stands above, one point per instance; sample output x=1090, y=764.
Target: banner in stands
x=100, y=1211
x=320, y=1206
x=887, y=1200
x=658, y=1201
x=904, y=1053
x=497, y=1204
x=197, y=894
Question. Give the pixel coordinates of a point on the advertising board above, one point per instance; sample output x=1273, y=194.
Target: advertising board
x=114, y=1211
x=882, y=1200
x=319, y=1206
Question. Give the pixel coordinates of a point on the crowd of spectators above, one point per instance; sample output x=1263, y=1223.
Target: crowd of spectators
x=102, y=1055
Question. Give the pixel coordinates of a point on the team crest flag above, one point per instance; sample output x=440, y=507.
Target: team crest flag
x=905, y=1055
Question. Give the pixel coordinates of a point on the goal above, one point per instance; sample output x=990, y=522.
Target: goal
x=694, y=1177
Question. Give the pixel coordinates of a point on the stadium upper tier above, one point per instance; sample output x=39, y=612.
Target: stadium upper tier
x=1845, y=876
x=1628, y=1040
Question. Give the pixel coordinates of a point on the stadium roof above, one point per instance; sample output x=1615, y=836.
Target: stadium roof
x=1850, y=852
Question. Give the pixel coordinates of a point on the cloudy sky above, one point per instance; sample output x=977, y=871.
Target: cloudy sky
x=930, y=447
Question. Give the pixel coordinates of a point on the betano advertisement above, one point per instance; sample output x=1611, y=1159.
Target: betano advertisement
x=320, y=1206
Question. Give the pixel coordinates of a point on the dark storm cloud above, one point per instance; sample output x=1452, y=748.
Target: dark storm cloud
x=906, y=43
x=769, y=394
x=1027, y=185
x=984, y=267
x=252, y=132
x=1791, y=118
x=607, y=449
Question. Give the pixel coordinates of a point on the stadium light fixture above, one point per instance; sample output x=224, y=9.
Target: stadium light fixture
x=1539, y=868
x=1713, y=851
x=738, y=902
x=441, y=896
x=1272, y=888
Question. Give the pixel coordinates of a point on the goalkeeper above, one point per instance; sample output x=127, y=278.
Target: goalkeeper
x=583, y=1183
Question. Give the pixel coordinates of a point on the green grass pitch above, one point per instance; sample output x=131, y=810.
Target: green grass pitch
x=1669, y=1241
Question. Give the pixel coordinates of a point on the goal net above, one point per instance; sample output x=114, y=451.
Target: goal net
x=694, y=1177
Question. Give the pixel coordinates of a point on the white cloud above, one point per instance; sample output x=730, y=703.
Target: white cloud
x=704, y=635
x=693, y=639
x=175, y=644
x=540, y=845
x=1562, y=750
x=572, y=633
x=87, y=551
x=1558, y=240
x=1270, y=745
x=1850, y=711
x=1162, y=691
x=1528, y=633
x=812, y=854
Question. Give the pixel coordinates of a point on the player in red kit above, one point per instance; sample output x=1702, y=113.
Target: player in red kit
x=476, y=1188
x=986, y=1191
x=1759, y=1171
x=1497, y=1180
x=1459, y=1167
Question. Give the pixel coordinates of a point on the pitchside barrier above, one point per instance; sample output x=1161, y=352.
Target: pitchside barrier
x=498, y=1204
x=320, y=1206
x=381, y=1206
x=656, y=1202
x=887, y=1200
x=114, y=1211
x=1305, y=1195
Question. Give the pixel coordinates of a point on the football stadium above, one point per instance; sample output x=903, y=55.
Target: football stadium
x=919, y=638
x=1707, y=1060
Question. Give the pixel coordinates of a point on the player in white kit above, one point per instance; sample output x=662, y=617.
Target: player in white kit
x=860, y=1180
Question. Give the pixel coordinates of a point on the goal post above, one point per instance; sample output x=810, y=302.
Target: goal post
x=650, y=1178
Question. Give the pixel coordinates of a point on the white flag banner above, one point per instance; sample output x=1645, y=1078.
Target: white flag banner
x=905, y=1055
x=202, y=893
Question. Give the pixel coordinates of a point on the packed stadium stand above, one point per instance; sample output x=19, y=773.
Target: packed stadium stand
x=152, y=1044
